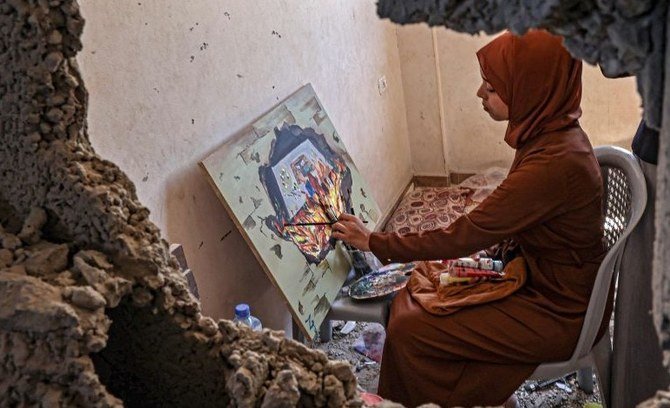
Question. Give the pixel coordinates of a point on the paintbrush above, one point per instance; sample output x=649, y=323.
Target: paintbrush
x=302, y=224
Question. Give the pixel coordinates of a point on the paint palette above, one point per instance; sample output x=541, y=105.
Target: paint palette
x=386, y=280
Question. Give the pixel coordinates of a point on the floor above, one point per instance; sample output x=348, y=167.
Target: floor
x=563, y=393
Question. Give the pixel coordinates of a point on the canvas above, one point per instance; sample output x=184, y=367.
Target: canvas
x=291, y=167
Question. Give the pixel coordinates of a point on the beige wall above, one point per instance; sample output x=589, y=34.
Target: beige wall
x=469, y=140
x=172, y=80
x=422, y=96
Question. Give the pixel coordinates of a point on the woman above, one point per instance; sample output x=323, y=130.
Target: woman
x=549, y=204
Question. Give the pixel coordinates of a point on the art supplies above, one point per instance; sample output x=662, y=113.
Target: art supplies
x=481, y=263
x=386, y=280
x=467, y=271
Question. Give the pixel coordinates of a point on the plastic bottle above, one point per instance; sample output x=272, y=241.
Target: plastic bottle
x=243, y=316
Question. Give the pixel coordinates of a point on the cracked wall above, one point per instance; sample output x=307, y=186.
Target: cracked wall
x=93, y=310
x=158, y=114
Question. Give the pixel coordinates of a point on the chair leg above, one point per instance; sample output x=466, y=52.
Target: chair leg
x=602, y=357
x=585, y=380
x=326, y=331
x=296, y=333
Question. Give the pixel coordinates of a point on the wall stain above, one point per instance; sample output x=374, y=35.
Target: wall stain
x=276, y=34
x=226, y=235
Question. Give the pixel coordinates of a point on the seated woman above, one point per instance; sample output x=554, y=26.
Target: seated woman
x=549, y=204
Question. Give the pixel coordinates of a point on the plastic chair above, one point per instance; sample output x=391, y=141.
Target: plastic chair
x=624, y=203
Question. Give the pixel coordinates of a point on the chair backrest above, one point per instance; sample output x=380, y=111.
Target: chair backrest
x=624, y=200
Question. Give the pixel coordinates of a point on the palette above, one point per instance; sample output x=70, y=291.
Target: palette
x=386, y=280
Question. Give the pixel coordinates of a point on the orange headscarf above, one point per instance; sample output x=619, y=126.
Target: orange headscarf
x=538, y=80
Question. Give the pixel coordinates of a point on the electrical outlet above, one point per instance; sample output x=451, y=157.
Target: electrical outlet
x=382, y=85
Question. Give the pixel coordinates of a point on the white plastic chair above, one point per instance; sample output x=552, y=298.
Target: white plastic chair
x=624, y=203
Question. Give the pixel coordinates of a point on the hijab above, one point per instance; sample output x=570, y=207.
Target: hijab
x=538, y=80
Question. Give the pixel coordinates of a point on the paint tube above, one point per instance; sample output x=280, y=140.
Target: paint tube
x=446, y=279
x=483, y=263
x=467, y=276
x=463, y=272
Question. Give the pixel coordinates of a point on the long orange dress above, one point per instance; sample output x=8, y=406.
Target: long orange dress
x=550, y=204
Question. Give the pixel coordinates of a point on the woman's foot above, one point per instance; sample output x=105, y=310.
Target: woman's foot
x=512, y=402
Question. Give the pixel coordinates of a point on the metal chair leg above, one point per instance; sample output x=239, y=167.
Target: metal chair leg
x=602, y=358
x=326, y=331
x=585, y=380
x=296, y=333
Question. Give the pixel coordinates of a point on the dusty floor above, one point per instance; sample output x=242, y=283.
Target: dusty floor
x=559, y=394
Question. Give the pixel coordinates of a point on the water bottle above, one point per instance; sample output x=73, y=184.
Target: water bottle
x=243, y=316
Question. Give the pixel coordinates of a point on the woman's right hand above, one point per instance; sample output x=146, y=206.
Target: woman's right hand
x=352, y=231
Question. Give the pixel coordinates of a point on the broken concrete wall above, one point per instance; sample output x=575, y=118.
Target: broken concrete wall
x=93, y=310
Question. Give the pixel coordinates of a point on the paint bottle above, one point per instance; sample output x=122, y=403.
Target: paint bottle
x=243, y=316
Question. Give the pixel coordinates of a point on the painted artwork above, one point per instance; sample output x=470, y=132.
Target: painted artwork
x=284, y=182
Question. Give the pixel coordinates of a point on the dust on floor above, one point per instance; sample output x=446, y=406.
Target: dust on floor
x=564, y=393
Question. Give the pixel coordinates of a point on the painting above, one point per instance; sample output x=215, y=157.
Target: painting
x=284, y=181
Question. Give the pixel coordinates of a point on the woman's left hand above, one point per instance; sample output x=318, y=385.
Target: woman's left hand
x=352, y=231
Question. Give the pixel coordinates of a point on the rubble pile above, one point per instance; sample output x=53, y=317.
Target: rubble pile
x=93, y=309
